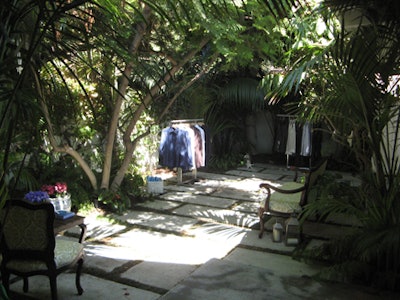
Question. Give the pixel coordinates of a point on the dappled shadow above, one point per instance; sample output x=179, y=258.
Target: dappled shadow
x=224, y=216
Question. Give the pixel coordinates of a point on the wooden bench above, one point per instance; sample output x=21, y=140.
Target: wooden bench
x=290, y=197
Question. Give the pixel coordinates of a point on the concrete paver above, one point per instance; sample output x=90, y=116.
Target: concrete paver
x=186, y=197
x=261, y=176
x=151, y=245
x=106, y=258
x=247, y=207
x=225, y=216
x=163, y=205
x=161, y=275
x=157, y=220
x=277, y=264
x=224, y=279
x=197, y=188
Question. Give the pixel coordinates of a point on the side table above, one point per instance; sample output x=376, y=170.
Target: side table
x=62, y=225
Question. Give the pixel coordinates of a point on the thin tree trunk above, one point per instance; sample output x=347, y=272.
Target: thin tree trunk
x=65, y=148
x=123, y=86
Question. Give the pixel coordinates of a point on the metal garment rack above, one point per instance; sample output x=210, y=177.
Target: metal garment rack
x=179, y=170
x=287, y=155
x=186, y=121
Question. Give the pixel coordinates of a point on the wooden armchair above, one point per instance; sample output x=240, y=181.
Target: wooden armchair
x=289, y=198
x=29, y=247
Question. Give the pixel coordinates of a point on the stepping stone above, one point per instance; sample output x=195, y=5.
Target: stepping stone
x=263, y=176
x=160, y=275
x=190, y=188
x=237, y=194
x=223, y=279
x=185, y=197
x=147, y=245
x=223, y=216
x=98, y=228
x=216, y=176
x=158, y=221
x=159, y=204
x=278, y=265
x=219, y=232
x=253, y=169
x=247, y=207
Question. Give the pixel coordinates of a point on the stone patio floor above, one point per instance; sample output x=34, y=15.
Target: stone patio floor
x=198, y=240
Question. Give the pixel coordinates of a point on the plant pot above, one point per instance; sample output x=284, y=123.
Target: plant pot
x=61, y=203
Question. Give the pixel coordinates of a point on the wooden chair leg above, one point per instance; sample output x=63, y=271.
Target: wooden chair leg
x=53, y=287
x=78, y=277
x=261, y=216
x=26, y=285
x=5, y=279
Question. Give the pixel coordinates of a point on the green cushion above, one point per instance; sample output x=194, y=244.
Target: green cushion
x=65, y=253
x=285, y=203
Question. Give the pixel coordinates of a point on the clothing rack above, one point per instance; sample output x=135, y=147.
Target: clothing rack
x=187, y=121
x=179, y=170
x=291, y=117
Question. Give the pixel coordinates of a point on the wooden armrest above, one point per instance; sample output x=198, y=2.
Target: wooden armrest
x=270, y=187
x=82, y=236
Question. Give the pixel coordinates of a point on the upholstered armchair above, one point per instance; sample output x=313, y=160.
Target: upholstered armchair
x=29, y=247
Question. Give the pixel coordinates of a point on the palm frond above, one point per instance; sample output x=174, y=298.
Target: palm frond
x=243, y=93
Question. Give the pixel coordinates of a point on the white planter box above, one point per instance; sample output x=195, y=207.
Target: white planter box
x=155, y=187
x=61, y=203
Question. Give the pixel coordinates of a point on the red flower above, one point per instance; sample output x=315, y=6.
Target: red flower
x=49, y=189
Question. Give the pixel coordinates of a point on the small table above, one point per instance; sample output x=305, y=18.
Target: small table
x=62, y=225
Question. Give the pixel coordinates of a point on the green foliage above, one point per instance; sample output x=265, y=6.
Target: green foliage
x=131, y=190
x=349, y=84
x=332, y=195
x=60, y=63
x=242, y=93
x=114, y=201
x=369, y=253
x=133, y=185
x=225, y=161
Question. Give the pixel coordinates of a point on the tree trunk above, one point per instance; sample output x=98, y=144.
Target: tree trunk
x=65, y=148
x=122, y=87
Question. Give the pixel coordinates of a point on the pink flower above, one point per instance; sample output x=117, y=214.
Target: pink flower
x=60, y=187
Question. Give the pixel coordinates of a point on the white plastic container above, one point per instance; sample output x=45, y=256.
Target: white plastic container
x=155, y=185
x=61, y=203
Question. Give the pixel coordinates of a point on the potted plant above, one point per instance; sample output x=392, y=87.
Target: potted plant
x=58, y=195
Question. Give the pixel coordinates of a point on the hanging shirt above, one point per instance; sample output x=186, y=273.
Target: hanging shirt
x=191, y=144
x=200, y=143
x=175, y=149
x=291, y=139
x=306, y=144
